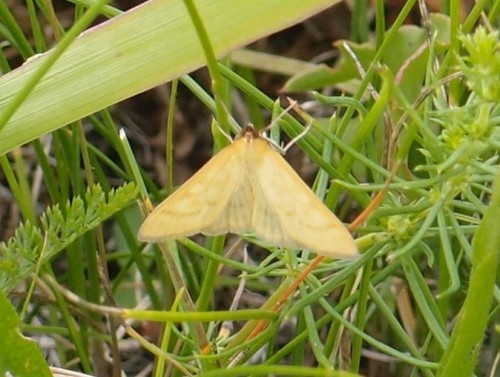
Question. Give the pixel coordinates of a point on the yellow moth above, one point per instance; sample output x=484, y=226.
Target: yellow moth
x=248, y=187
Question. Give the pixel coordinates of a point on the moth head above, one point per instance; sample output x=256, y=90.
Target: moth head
x=249, y=132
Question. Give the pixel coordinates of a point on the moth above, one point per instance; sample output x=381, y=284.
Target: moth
x=248, y=187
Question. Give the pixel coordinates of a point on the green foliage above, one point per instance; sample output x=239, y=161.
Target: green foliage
x=419, y=109
x=472, y=138
x=59, y=228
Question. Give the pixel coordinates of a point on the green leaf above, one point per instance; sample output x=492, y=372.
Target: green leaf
x=344, y=71
x=345, y=75
x=19, y=356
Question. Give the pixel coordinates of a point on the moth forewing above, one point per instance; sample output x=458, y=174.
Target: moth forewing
x=200, y=204
x=300, y=219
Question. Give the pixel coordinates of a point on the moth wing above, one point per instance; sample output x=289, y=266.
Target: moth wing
x=287, y=213
x=239, y=210
x=200, y=205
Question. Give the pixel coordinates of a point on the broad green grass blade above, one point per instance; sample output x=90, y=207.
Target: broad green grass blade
x=146, y=46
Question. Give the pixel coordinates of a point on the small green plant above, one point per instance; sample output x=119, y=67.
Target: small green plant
x=59, y=228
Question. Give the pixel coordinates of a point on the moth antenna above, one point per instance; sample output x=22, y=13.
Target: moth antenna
x=293, y=103
x=297, y=138
x=284, y=149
